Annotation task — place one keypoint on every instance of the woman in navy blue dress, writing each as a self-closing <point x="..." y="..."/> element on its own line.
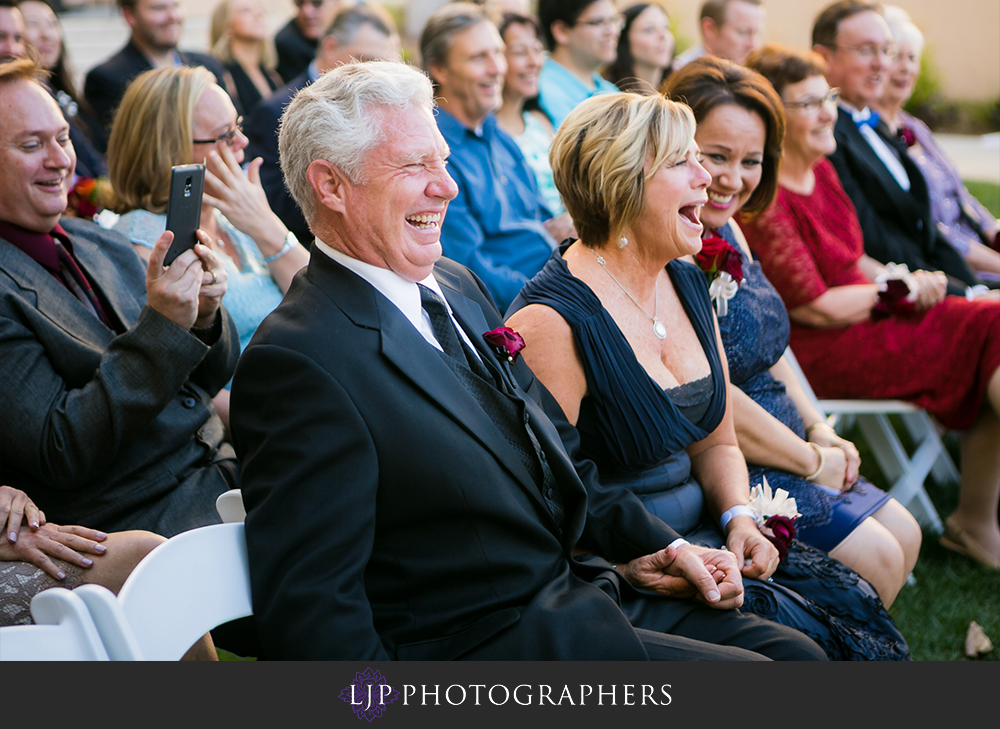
<point x="623" y="335"/>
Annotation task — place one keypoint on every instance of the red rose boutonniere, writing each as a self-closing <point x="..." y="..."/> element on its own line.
<point x="505" y="342"/>
<point x="907" y="135"/>
<point x="775" y="514"/>
<point x="723" y="265"/>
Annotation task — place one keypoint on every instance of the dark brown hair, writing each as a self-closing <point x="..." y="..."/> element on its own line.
<point x="709" y="82"/>
<point x="827" y="23"/>
<point x="783" y="66"/>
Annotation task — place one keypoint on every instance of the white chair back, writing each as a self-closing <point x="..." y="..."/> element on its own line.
<point x="230" y="506"/>
<point x="188" y="585"/>
<point x="63" y="631"/>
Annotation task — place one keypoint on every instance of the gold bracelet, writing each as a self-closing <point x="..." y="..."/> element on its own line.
<point x="819" y="424"/>
<point x="822" y="461"/>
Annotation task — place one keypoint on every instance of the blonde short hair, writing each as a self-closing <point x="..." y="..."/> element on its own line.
<point x="220" y="42"/>
<point x="153" y="131"/>
<point x="607" y="149"/>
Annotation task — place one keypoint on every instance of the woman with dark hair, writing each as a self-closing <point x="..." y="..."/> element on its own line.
<point x="645" y="49"/>
<point x="741" y="125"/>
<point x="622" y="334"/>
<point x="44" y="33"/>
<point x="863" y="330"/>
<point x="520" y="116"/>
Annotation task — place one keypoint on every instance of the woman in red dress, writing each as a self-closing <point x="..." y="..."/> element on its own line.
<point x="853" y="338"/>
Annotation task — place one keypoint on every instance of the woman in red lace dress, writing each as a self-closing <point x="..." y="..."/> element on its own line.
<point x="855" y="340"/>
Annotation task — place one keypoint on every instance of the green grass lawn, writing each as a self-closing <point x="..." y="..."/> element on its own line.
<point x="950" y="591"/>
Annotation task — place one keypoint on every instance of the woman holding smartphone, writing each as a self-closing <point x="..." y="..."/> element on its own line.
<point x="176" y="116"/>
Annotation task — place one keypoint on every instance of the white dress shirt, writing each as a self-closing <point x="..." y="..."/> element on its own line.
<point x="404" y="294"/>
<point x="878" y="145"/>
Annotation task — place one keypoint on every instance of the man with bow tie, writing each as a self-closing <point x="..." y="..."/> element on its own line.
<point x="886" y="187"/>
<point x="407" y="495"/>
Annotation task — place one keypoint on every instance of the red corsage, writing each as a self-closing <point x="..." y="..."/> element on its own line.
<point x="893" y="299"/>
<point x="505" y="342"/>
<point x="88" y="197"/>
<point x="718" y="256"/>
<point x="780" y="531"/>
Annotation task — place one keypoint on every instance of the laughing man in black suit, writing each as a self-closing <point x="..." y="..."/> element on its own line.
<point x="407" y="496"/>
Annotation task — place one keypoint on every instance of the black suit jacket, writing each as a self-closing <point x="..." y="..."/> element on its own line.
<point x="261" y="128"/>
<point x="106" y="83"/>
<point x="897" y="224"/>
<point x="295" y="51"/>
<point x="388" y="516"/>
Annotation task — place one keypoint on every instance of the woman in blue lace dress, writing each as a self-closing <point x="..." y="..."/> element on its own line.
<point x="623" y="335"/>
<point x="780" y="433"/>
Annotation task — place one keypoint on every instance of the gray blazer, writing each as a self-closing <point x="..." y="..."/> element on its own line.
<point x="110" y="431"/>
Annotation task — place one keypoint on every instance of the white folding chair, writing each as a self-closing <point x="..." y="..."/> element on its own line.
<point x="185" y="587"/>
<point x="63" y="631"/>
<point x="230" y="506"/>
<point x="906" y="473"/>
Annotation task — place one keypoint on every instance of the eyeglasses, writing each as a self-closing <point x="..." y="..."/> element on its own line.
<point x="868" y="51"/>
<point x="812" y="106"/>
<point x="615" y="22"/>
<point x="227" y="137"/>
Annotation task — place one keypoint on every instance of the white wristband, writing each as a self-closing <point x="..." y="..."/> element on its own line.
<point x="679" y="542"/>
<point x="738" y="510"/>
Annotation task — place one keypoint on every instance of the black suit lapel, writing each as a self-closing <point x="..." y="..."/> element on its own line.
<point x="875" y="169"/>
<point x="417" y="360"/>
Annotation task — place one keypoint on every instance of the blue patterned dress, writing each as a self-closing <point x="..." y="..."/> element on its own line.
<point x="755" y="333"/>
<point x="637" y="433"/>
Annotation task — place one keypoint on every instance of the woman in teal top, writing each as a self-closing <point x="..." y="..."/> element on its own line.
<point x="174" y="116"/>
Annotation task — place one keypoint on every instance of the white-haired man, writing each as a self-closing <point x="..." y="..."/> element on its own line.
<point x="407" y="495"/>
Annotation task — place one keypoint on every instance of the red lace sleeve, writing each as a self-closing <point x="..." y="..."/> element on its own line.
<point x="777" y="239"/>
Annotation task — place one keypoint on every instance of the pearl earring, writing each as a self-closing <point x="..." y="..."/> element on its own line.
<point x="622" y="242"/>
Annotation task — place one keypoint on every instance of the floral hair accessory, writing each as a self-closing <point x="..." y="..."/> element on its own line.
<point x="723" y="265"/>
<point x="505" y="342"/>
<point x="775" y="515"/>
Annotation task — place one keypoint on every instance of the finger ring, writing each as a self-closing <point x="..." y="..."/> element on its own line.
<point x="214" y="278"/>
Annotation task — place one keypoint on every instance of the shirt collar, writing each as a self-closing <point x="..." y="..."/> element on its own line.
<point x="401" y="292"/>
<point x="40" y="247"/>
<point x="451" y="127"/>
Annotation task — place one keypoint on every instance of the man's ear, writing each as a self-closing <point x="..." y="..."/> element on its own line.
<point x="129" y="17"/>
<point x="709" y="31"/>
<point x="328" y="48"/>
<point x="328" y="184"/>
<point x="825" y="52"/>
<point x="560" y="32"/>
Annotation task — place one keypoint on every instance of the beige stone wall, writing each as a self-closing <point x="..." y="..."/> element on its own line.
<point x="964" y="35"/>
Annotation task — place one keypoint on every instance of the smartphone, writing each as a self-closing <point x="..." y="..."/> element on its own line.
<point x="187" y="182"/>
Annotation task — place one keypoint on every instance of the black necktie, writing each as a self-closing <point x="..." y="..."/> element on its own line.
<point x="446" y="333"/>
<point x="507" y="412"/>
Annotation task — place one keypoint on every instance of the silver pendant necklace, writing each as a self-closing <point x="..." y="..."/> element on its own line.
<point x="659" y="330"/>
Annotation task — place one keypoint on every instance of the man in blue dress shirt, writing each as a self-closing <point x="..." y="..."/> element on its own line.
<point x="498" y="225"/>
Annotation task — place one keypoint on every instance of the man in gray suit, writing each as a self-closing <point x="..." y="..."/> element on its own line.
<point x="107" y="370"/>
